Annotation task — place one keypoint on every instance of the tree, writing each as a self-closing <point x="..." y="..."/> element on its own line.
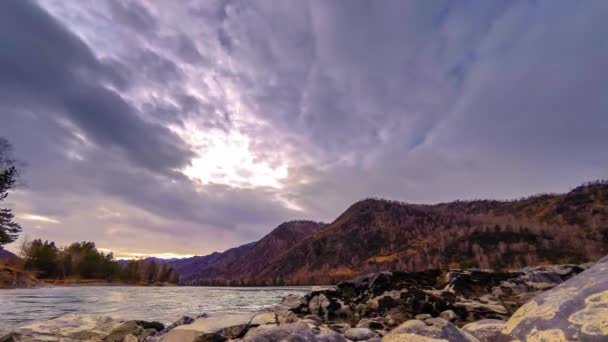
<point x="9" y="229"/>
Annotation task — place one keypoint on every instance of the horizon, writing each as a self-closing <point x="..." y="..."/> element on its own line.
<point x="173" y="129"/>
<point x="171" y="256"/>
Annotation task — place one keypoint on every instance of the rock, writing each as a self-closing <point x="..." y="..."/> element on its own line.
<point x="182" y="321"/>
<point x="314" y="318"/>
<point x="340" y="327"/>
<point x="129" y="338"/>
<point x="359" y="334"/>
<point x="574" y="310"/>
<point x="284" y="317"/>
<point x="264" y="318"/>
<point x="370" y="324"/>
<point x="439" y="330"/>
<point x="293" y="332"/>
<point x="127" y="328"/>
<point x="288" y="302"/>
<point x="151" y="325"/>
<point x="448" y="315"/>
<point x="230" y="326"/>
<point x="318" y="305"/>
<point x="73" y="327"/>
<point x="210" y="337"/>
<point x="486" y="330"/>
<point x="422" y="317"/>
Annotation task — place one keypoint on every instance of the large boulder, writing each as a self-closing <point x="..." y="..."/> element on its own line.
<point x="576" y="310"/>
<point x="210" y="328"/>
<point x="433" y="329"/>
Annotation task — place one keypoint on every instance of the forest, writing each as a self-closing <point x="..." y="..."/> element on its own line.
<point x="82" y="260"/>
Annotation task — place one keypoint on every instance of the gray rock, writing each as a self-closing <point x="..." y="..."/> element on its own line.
<point x="359" y="334"/>
<point x="439" y="330"/>
<point x="486" y="330"/>
<point x="422" y="317"/>
<point x="575" y="310"/>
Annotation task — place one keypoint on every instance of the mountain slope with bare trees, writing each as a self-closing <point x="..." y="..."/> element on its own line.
<point x="376" y="235"/>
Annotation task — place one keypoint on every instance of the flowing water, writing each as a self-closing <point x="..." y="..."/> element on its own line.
<point x="163" y="304"/>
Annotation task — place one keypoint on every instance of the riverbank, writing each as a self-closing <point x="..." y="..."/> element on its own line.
<point x="12" y="277"/>
<point x="554" y="303"/>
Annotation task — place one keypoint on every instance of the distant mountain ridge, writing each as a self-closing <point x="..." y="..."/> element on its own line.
<point x="376" y="235"/>
<point x="8" y="256"/>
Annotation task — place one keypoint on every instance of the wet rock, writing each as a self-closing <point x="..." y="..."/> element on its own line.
<point x="486" y="330"/>
<point x="359" y="334"/>
<point x="291" y="333"/>
<point x="574" y="310"/>
<point x="437" y="330"/>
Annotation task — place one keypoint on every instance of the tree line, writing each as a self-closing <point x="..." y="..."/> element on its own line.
<point x="83" y="260"/>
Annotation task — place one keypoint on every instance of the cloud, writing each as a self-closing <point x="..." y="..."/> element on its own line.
<point x="206" y="124"/>
<point x="39" y="218"/>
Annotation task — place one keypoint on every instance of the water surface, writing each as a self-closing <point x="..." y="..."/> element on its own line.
<point x="163" y="304"/>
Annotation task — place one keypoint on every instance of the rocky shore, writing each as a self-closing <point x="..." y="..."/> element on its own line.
<point x="552" y="303"/>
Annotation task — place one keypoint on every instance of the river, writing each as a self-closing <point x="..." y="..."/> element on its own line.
<point x="163" y="304"/>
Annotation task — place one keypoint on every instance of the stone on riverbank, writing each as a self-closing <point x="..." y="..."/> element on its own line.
<point x="486" y="330"/>
<point x="73" y="327"/>
<point x="433" y="329"/>
<point x="576" y="310"/>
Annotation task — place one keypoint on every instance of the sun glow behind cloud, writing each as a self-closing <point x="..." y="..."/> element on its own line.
<point x="226" y="158"/>
<point x="38" y="218"/>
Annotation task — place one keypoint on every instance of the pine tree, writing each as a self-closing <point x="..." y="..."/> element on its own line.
<point x="9" y="229"/>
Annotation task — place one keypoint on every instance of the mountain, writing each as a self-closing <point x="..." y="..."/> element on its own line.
<point x="7" y="256"/>
<point x="375" y="235"/>
<point x="240" y="265"/>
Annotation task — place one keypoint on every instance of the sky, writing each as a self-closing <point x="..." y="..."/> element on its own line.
<point x="177" y="128"/>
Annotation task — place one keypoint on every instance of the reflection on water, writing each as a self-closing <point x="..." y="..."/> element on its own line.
<point x="164" y="304"/>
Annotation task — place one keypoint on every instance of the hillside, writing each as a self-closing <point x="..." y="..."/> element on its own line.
<point x="241" y="265"/>
<point x="376" y="235"/>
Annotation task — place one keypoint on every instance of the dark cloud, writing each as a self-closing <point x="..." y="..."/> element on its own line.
<point x="47" y="63"/>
